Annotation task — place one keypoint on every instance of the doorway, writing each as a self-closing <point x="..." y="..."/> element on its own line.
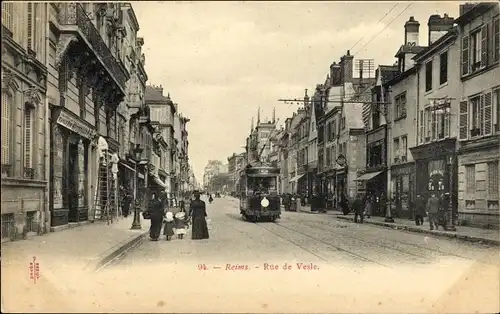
<point x="72" y="181"/>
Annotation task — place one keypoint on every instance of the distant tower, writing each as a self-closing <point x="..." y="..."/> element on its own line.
<point x="274" y="114"/>
<point x="251" y="126"/>
<point x="258" y="116"/>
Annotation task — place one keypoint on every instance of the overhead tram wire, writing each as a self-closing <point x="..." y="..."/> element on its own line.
<point x="390" y="10"/>
<point x="400" y="13"/>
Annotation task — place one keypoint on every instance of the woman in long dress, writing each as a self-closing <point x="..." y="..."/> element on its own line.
<point x="198" y="212"/>
<point x="156" y="213"/>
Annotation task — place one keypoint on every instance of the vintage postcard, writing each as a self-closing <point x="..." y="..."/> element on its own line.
<point x="250" y="157"/>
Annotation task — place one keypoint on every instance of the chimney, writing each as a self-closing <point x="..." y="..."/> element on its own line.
<point x="335" y="74"/>
<point x="464" y="8"/>
<point x="346" y="64"/>
<point x="160" y="89"/>
<point x="411" y="32"/>
<point x="438" y="26"/>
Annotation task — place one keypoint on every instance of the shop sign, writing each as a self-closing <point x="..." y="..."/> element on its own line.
<point x="75" y="125"/>
<point x="437" y="172"/>
<point x="341" y="160"/>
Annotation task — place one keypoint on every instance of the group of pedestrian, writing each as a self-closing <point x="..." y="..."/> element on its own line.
<point x="160" y="215"/>
<point x="434" y="208"/>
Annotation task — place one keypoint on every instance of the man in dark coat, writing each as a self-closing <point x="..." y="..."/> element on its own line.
<point x="419" y="210"/>
<point x="198" y="212"/>
<point x="358" y="208"/>
<point x="433" y="205"/>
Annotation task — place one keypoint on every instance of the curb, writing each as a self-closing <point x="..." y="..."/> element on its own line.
<point x="108" y="256"/>
<point x="419" y="230"/>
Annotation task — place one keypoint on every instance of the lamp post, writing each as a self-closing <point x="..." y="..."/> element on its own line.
<point x="136" y="224"/>
<point x="450" y="221"/>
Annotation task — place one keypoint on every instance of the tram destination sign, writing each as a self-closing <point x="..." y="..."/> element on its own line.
<point x="263" y="171"/>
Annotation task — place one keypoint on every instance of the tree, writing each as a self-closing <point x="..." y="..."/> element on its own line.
<point x="218" y="181"/>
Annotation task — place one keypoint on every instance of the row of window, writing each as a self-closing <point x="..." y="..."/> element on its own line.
<point x="331" y="154"/>
<point x="9" y="107"/>
<point x="443" y="71"/>
<point x="481" y="47"/>
<point x="479" y="115"/>
<point x="433" y="122"/>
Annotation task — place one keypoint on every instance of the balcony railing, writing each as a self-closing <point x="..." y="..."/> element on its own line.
<point x="74" y="14"/>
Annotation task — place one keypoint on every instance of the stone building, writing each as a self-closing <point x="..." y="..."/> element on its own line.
<point x="234" y="164"/>
<point x="401" y="113"/>
<point x="258" y="145"/>
<point x="25" y="137"/>
<point x="479" y="112"/>
<point x="86" y="84"/>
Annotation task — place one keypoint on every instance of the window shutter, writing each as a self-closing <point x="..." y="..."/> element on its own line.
<point x="27" y="138"/>
<point x="487" y="114"/>
<point x="465" y="55"/>
<point x="496" y="40"/>
<point x="464" y="118"/>
<point x="481" y="115"/>
<point x="484" y="46"/>
<point x="6" y="121"/>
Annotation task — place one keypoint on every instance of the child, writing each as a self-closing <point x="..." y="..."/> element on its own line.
<point x="168" y="230"/>
<point x="180" y="224"/>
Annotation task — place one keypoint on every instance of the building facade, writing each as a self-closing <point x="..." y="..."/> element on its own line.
<point x="478" y="110"/>
<point x="25" y="113"/>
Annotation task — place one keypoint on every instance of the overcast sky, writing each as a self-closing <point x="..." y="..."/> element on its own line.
<point x="220" y="61"/>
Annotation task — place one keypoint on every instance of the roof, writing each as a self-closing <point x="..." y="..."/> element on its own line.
<point x="475" y="11"/>
<point x="388" y="72"/>
<point x="409" y="49"/>
<point x="451" y="34"/>
<point x="154" y="94"/>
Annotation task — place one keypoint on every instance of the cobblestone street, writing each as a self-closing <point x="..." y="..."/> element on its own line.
<point x="240" y="268"/>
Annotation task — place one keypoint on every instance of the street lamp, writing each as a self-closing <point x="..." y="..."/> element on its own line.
<point x="450" y="221"/>
<point x="136" y="224"/>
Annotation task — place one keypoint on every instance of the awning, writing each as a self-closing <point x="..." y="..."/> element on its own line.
<point x="297" y="177"/>
<point x="158" y="180"/>
<point x="368" y="176"/>
<point x="126" y="166"/>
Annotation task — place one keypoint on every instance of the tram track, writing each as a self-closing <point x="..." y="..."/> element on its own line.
<point x="442" y="253"/>
<point x="357" y="256"/>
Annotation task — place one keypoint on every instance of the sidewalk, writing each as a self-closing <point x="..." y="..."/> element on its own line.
<point x="65" y="257"/>
<point x="488" y="236"/>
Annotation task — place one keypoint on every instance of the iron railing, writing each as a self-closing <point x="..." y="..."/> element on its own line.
<point x="31" y="223"/>
<point x="74" y="14"/>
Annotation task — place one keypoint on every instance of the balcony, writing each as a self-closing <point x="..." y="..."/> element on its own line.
<point x="75" y="26"/>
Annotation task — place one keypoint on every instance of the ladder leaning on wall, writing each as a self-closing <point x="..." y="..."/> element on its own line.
<point x="105" y="199"/>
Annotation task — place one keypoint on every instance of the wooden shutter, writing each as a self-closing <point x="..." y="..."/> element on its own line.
<point x="484" y="46"/>
<point x="480" y="124"/>
<point x="496" y="39"/>
<point x="465" y="55"/>
<point x="487" y="114"/>
<point x="6" y="123"/>
<point x="464" y="119"/>
<point x="28" y="131"/>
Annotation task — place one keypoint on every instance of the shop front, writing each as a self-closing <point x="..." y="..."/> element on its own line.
<point x="402" y="180"/>
<point x="72" y="154"/>
<point x="374" y="183"/>
<point x="436" y="170"/>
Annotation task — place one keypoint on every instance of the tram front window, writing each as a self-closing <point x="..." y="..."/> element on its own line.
<point x="262" y="185"/>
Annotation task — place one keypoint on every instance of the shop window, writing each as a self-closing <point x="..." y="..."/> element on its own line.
<point x="7" y="103"/>
<point x="28" y="141"/>
<point x="470" y="181"/>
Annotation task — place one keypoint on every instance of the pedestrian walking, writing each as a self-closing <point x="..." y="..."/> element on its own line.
<point x="419" y="210"/>
<point x="198" y="214"/>
<point x="210" y="199"/>
<point x="181" y="224"/>
<point x="344" y="204"/>
<point x="433" y="211"/>
<point x="369" y="205"/>
<point x="156" y="213"/>
<point x="126" y="202"/>
<point x="359" y="209"/>
<point x="169" y="224"/>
